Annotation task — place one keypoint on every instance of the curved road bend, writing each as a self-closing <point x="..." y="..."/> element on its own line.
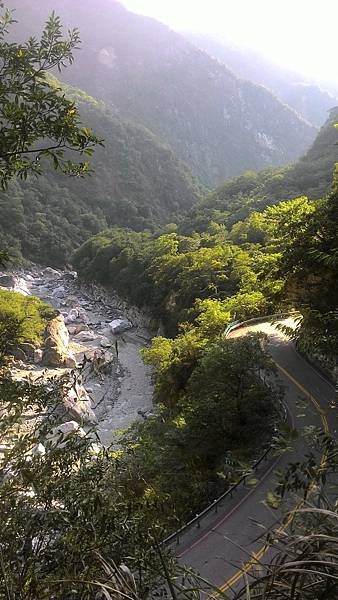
<point x="225" y="541"/>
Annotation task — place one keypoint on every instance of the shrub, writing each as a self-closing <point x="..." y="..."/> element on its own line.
<point x="22" y="319"/>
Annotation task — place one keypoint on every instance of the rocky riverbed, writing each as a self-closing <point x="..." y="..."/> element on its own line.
<point x="97" y="338"/>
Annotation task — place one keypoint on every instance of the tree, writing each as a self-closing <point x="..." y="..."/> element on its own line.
<point x="37" y="122"/>
<point x="226" y="399"/>
<point x="68" y="508"/>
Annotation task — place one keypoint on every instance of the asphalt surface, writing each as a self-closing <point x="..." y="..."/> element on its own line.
<point x="224" y="542"/>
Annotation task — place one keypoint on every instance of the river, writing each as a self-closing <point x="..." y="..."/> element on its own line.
<point x="120" y="394"/>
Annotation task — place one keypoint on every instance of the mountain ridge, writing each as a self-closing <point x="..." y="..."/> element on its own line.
<point x="218" y="124"/>
<point x="308" y="99"/>
<point x="310" y="176"/>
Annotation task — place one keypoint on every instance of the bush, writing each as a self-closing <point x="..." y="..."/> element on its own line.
<point x="22" y="319"/>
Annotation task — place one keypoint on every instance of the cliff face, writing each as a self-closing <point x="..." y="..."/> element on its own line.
<point x="308" y="99"/>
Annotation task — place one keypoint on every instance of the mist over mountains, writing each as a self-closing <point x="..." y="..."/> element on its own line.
<point x="312" y="101"/>
<point x="217" y="123"/>
<point x="175" y="122"/>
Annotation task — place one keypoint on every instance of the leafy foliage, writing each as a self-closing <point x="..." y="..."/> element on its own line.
<point x="69" y="515"/>
<point x="22" y="319"/>
<point x="168" y="273"/>
<point x="310" y="268"/>
<point x="37" y="122"/>
<point x="210" y="399"/>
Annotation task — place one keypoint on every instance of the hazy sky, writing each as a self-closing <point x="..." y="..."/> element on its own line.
<point x="301" y="34"/>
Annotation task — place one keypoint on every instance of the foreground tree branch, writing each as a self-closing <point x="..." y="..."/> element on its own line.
<point x="37" y="122"/>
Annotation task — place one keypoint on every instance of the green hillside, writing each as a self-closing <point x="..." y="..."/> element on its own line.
<point x="137" y="182"/>
<point x="311" y="176"/>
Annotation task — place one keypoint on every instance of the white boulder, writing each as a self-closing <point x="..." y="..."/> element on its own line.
<point x="72" y="315"/>
<point x="78" y="404"/>
<point x="105" y="343"/>
<point x="59" y="434"/>
<point x="21" y="287"/>
<point x="38" y="450"/>
<point x="120" y="325"/>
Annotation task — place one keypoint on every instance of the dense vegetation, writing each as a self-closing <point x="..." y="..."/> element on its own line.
<point x="196" y="286"/>
<point x="75" y="518"/>
<point x="168" y="273"/>
<point x="283" y="257"/>
<point x="217" y="124"/>
<point x="71" y="517"/>
<point x="22" y="319"/>
<point x="311" y="278"/>
<point x="182" y="277"/>
<point x="137" y="182"/>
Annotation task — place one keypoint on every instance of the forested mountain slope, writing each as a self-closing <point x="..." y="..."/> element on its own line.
<point x="218" y="124"/>
<point x="307" y="98"/>
<point x="310" y="176"/>
<point x="136" y="181"/>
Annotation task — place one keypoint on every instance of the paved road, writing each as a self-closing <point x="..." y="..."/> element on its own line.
<point x="225" y="541"/>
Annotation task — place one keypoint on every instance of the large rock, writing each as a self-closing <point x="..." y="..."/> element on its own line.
<point x="72" y="316"/>
<point x="29" y="350"/>
<point x="85" y="336"/>
<point x="76" y="314"/>
<point x="21" y="287"/>
<point x="83" y="315"/>
<point x="24" y="352"/>
<point x="38" y="450"/>
<point x="51" y="273"/>
<point x="17" y="353"/>
<point x="71" y="362"/>
<point x="120" y="325"/>
<point x="80" y="327"/>
<point x="70" y="275"/>
<point x="60" y="435"/>
<point x="56" y="349"/>
<point x="78" y="404"/>
<point x="38" y="354"/>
